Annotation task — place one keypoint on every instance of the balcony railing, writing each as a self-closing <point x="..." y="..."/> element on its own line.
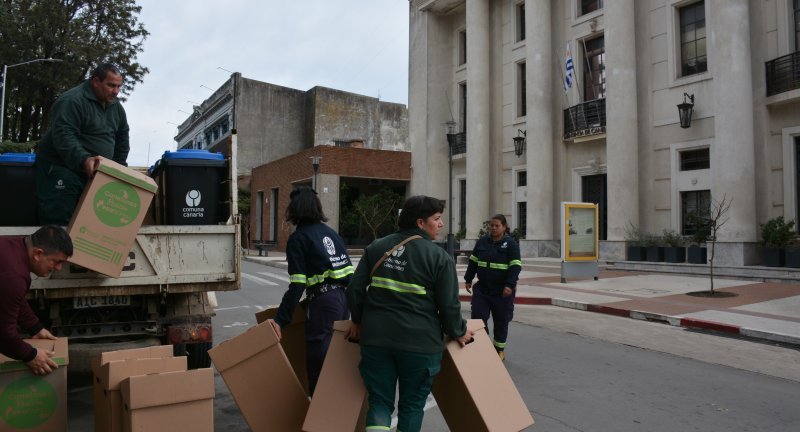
<point x="783" y="74"/>
<point x="588" y="118"/>
<point x="460" y="147"/>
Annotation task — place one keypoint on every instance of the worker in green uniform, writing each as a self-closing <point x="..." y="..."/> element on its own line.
<point x="88" y="123"/>
<point x="402" y="306"/>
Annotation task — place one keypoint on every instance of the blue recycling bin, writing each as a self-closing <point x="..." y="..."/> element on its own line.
<point x="17" y="189"/>
<point x="192" y="184"/>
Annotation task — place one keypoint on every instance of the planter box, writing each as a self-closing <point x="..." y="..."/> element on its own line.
<point x="655" y="253"/>
<point x="772" y="257"/>
<point x="676" y="254"/>
<point x="697" y="255"/>
<point x="636" y="253"/>
<point x="792" y="257"/>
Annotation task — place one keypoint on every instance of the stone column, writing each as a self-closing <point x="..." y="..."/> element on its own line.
<point x="540" y="121"/>
<point x="733" y="150"/>
<point x="622" y="146"/>
<point x="478" y="115"/>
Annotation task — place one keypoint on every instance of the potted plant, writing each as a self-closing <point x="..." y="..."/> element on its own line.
<point x="634" y="239"/>
<point x="655" y="248"/>
<point x="792" y="255"/>
<point x="675" y="252"/>
<point x="697" y="253"/>
<point x="776" y="234"/>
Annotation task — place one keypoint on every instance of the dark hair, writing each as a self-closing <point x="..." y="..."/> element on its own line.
<point x="304" y="207"/>
<point x="102" y="70"/>
<point x="52" y="239"/>
<point x="418" y="207"/>
<point x="502" y="220"/>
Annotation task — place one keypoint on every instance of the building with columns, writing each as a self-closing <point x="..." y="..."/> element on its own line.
<point x="496" y="70"/>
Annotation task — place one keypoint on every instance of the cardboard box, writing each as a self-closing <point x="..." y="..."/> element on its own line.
<point x="340" y="399"/>
<point x="169" y="401"/>
<point x="474" y="390"/>
<point x="108" y="216"/>
<point x="31" y="402"/>
<point x="261" y="380"/>
<point x="293" y="341"/>
<point x="108" y="408"/>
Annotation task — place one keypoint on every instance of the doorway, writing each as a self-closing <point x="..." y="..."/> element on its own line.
<point x="593" y="190"/>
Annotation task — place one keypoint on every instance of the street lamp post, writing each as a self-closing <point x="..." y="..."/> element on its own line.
<point x="3" y="91"/>
<point x="315" y="164"/>
<point x="451" y="141"/>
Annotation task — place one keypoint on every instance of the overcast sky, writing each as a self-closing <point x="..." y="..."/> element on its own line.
<point x="360" y="46"/>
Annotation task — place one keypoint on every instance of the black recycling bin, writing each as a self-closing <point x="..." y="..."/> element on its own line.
<point x="191" y="183"/>
<point x="17" y="190"/>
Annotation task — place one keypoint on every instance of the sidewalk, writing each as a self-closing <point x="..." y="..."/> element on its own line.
<point x="765" y="311"/>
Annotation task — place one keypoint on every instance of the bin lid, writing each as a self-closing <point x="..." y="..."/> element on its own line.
<point x="193" y="154"/>
<point x="18" y="158"/>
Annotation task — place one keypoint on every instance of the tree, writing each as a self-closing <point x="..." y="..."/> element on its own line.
<point x="377" y="209"/>
<point x="80" y="33"/>
<point x="717" y="217"/>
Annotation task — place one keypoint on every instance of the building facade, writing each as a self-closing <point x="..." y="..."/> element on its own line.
<point x="499" y="70"/>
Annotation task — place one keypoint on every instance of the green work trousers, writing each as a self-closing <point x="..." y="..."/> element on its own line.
<point x="383" y="370"/>
<point x="58" y="190"/>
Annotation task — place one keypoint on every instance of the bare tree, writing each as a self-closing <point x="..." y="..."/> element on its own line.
<point x="717" y="217"/>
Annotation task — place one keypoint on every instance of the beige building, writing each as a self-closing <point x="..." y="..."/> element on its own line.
<point x="496" y="68"/>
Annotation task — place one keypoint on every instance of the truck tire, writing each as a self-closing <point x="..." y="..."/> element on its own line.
<point x="196" y="353"/>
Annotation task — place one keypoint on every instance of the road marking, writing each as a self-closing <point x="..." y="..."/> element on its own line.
<point x="237" y="324"/>
<point x="231" y="308"/>
<point x="258" y="279"/>
<point x="274" y="276"/>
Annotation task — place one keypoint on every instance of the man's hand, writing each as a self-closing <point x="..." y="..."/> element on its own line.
<point x="464" y="340"/>
<point x="468" y="286"/>
<point x="44" y="334"/>
<point x="353" y="333"/>
<point x="42" y="364"/>
<point x="507" y="291"/>
<point x="276" y="327"/>
<point x="90" y="165"/>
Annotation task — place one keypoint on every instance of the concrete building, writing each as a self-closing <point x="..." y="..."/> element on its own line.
<point x="614" y="137"/>
<point x="273" y="122"/>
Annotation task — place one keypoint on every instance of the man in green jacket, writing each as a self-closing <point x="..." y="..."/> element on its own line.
<point x="402" y="312"/>
<point x="88" y="123"/>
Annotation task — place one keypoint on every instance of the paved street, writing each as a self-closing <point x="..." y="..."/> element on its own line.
<point x="583" y="371"/>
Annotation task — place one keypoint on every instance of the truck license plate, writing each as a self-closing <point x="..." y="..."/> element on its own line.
<point x="102" y="301"/>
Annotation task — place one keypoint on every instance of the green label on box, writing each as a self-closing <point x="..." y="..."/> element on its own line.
<point x="28" y="402"/>
<point x="116" y="204"/>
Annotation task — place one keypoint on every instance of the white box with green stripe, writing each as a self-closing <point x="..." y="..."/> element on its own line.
<point x="109" y="214"/>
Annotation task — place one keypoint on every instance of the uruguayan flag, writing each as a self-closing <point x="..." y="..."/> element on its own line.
<point x="570" y="69"/>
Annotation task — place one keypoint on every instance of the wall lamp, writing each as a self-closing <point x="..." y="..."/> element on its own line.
<point x="519" y="142"/>
<point x="685" y="111"/>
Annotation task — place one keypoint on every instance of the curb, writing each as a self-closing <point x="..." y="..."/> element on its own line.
<point x="688" y="323"/>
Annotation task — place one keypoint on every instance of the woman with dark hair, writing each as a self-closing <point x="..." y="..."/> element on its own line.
<point x="404" y="300"/>
<point x="320" y="267"/>
<point x="496" y="261"/>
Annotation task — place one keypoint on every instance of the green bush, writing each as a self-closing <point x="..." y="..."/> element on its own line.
<point x="635" y="236"/>
<point x="673" y="238"/>
<point x="777" y="233"/>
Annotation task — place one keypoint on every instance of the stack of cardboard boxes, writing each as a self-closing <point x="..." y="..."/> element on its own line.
<point x="473" y="389"/>
<point x="147" y="389"/>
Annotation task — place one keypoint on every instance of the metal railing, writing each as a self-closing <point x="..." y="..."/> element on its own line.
<point x="460" y="147"/>
<point x="588" y="118"/>
<point x="783" y="74"/>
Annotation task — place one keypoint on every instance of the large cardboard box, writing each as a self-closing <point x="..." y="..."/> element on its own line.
<point x="261" y="380"/>
<point x="101" y="418"/>
<point x="108" y="216"/>
<point x="293" y="341"/>
<point x="108" y="411"/>
<point x="340" y="399"/>
<point x="474" y="390"/>
<point x="169" y="402"/>
<point x="30" y="402"/>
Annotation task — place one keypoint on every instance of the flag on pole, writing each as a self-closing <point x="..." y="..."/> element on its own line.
<point x="570" y="69"/>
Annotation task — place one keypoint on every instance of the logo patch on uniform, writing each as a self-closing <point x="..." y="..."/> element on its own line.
<point x="329" y="246"/>
<point x="59" y="184"/>
<point x="399" y="251"/>
<point x="504" y="245"/>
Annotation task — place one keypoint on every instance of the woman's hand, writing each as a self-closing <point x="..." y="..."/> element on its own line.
<point x="353" y="334"/>
<point x="468" y="286"/>
<point x="507" y="291"/>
